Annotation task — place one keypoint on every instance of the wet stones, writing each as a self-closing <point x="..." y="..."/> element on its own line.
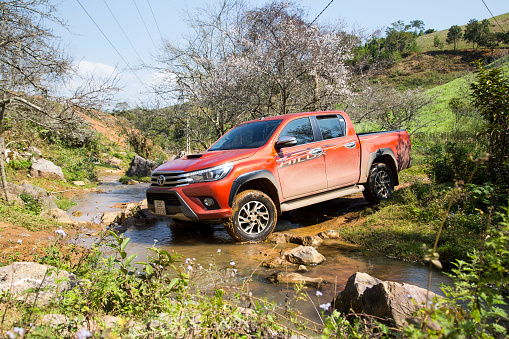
<point x="304" y="255"/>
<point x="309" y="240"/>
<point x="295" y="278"/>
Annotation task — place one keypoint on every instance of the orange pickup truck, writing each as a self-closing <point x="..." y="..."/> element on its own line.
<point x="264" y="167"/>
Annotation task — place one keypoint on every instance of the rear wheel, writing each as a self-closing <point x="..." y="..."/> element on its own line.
<point x="380" y="183"/>
<point x="253" y="217"/>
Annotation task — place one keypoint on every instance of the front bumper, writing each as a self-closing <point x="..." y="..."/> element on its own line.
<point x="184" y="203"/>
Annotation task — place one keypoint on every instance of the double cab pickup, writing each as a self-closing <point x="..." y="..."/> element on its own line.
<point x="262" y="168"/>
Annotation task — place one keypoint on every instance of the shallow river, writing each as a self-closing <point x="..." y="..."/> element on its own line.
<point x="210" y="244"/>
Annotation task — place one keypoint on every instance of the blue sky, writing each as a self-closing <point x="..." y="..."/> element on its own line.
<point x="145" y="22"/>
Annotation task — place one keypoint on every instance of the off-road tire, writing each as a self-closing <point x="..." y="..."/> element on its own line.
<point x="380" y="183"/>
<point x="253" y="217"/>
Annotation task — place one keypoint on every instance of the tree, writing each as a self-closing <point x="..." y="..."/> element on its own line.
<point x="33" y="68"/>
<point x="476" y="32"/>
<point x="454" y="35"/>
<point x="242" y="63"/>
<point x="386" y="107"/>
<point x="437" y="43"/>
<point x="490" y="95"/>
<point x="419" y="27"/>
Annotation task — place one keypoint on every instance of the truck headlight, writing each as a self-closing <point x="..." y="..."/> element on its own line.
<point x="210" y="174"/>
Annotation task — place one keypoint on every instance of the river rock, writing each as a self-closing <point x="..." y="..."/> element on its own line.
<point x="309" y="240"/>
<point x="304" y="255"/>
<point x="141" y="167"/>
<point x="42" y="168"/>
<point x="78" y="183"/>
<point x="277" y="262"/>
<point x="295" y="278"/>
<point x="111" y="160"/>
<point x="393" y="301"/>
<point x="57" y="214"/>
<point x="20" y="276"/>
<point x="47" y="201"/>
<point x="330" y="234"/>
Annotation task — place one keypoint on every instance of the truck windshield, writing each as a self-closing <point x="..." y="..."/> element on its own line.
<point x="250" y="135"/>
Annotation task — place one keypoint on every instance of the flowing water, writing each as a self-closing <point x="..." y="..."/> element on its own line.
<point x="209" y="246"/>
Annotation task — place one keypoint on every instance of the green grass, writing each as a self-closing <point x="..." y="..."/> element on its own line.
<point x="425" y="42"/>
<point x="125" y="179"/>
<point x="19" y="216"/>
<point x="439" y="117"/>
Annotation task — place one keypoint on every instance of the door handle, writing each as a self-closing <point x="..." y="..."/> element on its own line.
<point x="351" y="144"/>
<point x="316" y="151"/>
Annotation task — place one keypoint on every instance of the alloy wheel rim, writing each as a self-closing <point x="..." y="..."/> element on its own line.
<point x="382" y="184"/>
<point x="254" y="217"/>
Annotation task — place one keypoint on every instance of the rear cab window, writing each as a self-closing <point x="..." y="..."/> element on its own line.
<point x="331" y="126"/>
<point x="300" y="129"/>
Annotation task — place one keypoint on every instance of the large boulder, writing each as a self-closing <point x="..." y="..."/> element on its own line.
<point x="364" y="294"/>
<point x="48" y="281"/>
<point x="141" y="167"/>
<point x="47" y="201"/>
<point x="58" y="215"/>
<point x="42" y="168"/>
<point x="304" y="255"/>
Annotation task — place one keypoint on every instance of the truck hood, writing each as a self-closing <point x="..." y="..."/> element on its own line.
<point x="194" y="162"/>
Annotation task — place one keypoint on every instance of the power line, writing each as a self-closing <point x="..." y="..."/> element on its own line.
<point x="493" y="16"/>
<point x="113" y="46"/>
<point x="153" y="16"/>
<point x="150" y="35"/>
<point x="323" y="10"/>
<point x="114" y="17"/>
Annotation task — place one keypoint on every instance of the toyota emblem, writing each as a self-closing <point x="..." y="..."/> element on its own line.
<point x="161" y="180"/>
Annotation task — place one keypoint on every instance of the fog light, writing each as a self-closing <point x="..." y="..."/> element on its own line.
<point x="209" y="202"/>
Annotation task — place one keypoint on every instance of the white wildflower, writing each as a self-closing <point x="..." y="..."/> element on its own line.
<point x="319" y="294"/>
<point x="325" y="306"/>
<point x="83" y="334"/>
<point x="61" y="232"/>
<point x="232" y="263"/>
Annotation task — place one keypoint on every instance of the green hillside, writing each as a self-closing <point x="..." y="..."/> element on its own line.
<point x="439" y="115"/>
<point x="425" y="42"/>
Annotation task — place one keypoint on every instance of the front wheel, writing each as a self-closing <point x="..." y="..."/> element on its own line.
<point x="253" y="217"/>
<point x="380" y="183"/>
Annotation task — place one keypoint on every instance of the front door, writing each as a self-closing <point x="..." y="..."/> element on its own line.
<point x="301" y="168"/>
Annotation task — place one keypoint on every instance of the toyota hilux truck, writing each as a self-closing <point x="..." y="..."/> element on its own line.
<point x="262" y="168"/>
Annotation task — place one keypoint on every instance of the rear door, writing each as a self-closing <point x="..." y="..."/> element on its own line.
<point x="301" y="168"/>
<point x="341" y="149"/>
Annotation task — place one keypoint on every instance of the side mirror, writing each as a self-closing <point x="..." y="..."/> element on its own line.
<point x="285" y="142"/>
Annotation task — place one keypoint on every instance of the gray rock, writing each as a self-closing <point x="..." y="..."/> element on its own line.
<point x="141" y="167"/>
<point x="304" y="255"/>
<point x="42" y="168"/>
<point x="393" y="301"/>
<point x="34" y="151"/>
<point x="295" y="278"/>
<point x="46" y="199"/>
<point x="306" y="240"/>
<point x="57" y="214"/>
<point x="78" y="183"/>
<point x="21" y="276"/>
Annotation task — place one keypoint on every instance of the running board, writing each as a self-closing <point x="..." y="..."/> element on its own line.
<point x="320" y="197"/>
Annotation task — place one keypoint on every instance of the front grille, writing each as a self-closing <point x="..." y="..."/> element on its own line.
<point x="171" y="179"/>
<point x="170" y="198"/>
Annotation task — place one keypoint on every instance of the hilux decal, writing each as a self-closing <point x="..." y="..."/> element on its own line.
<point x="297" y="158"/>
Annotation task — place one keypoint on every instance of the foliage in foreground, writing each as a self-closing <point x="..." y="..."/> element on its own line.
<point x="157" y="298"/>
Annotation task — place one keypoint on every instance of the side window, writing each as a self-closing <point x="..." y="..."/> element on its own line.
<point x="300" y="129"/>
<point x="331" y="126"/>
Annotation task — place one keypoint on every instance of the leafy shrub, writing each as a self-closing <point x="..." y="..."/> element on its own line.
<point x="451" y="161"/>
<point x="20" y="164"/>
<point x="31" y="204"/>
